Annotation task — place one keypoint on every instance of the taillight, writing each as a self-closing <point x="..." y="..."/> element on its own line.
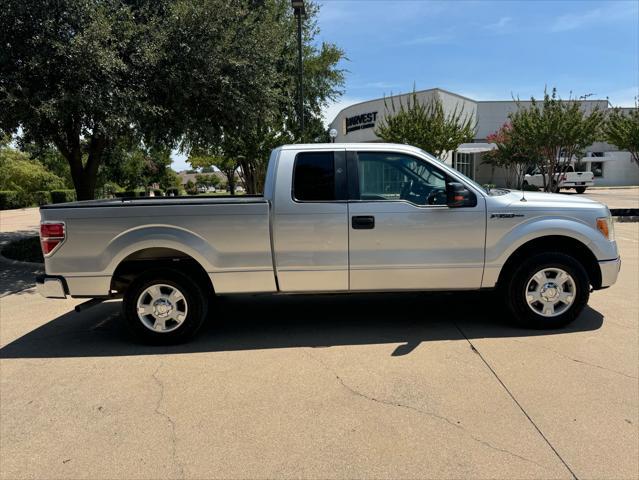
<point x="52" y="234"/>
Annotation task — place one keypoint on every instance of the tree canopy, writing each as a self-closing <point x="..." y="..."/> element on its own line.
<point x="425" y="125"/>
<point x="87" y="75"/>
<point x="554" y="132"/>
<point x="622" y="130"/>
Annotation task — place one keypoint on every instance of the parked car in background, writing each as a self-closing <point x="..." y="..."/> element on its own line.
<point x="333" y="218"/>
<point x="569" y="178"/>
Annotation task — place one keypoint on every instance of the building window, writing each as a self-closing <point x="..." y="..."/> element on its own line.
<point x="464" y="163"/>
<point x="597" y="169"/>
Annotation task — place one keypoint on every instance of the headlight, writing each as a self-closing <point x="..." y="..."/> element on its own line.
<point x="606" y="226"/>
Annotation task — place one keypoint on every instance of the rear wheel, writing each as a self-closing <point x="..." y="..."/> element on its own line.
<point x="548" y="290"/>
<point x="580" y="189"/>
<point x="164" y="307"/>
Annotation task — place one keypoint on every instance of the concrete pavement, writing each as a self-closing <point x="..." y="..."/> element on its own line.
<point x="363" y="386"/>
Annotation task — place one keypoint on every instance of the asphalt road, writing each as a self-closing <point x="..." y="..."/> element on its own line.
<point x="363" y="386"/>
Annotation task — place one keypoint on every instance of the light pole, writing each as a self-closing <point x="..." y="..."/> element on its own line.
<point x="298" y="8"/>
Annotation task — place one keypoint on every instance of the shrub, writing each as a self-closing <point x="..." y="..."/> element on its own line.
<point x="18" y="172"/>
<point x="530" y="188"/>
<point x="126" y="194"/>
<point x="41" y="197"/>
<point x="158" y="192"/>
<point x="9" y="199"/>
<point x="62" y="196"/>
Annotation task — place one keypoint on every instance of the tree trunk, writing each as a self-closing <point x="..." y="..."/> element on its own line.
<point x="84" y="176"/>
<point x="230" y="180"/>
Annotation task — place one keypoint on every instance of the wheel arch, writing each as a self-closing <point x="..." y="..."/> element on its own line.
<point x="554" y="243"/>
<point x="144" y="259"/>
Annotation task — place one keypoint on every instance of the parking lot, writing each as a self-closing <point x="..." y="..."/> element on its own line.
<point x="336" y="386"/>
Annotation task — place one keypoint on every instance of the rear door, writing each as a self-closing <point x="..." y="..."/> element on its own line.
<point x="403" y="236"/>
<point x="310" y="217"/>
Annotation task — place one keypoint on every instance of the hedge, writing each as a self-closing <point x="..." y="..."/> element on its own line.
<point x="62" y="196"/>
<point x="10" y="199"/>
<point x="41" y="197"/>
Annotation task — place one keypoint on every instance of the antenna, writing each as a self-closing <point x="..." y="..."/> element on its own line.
<point x="523" y="195"/>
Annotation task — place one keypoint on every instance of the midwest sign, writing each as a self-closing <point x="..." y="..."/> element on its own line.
<point x="360" y="122"/>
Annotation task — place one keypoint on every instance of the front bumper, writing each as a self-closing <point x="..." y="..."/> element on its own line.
<point x="609" y="271"/>
<point x="51" y="287"/>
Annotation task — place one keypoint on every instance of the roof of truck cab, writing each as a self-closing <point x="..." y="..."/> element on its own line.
<point x="350" y="146"/>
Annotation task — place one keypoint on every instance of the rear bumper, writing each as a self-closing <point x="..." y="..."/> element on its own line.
<point x="51" y="287"/>
<point x="609" y="271"/>
<point x="577" y="184"/>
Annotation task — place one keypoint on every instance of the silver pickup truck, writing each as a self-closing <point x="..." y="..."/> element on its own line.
<point x="333" y="218"/>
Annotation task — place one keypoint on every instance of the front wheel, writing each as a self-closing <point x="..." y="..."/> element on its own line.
<point x="548" y="290"/>
<point x="164" y="307"/>
<point x="580" y="189"/>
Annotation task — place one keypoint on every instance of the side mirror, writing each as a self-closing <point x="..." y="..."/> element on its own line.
<point x="457" y="195"/>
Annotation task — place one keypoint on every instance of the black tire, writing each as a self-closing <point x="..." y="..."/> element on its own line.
<point x="517" y="294"/>
<point x="580" y="189"/>
<point x="193" y="302"/>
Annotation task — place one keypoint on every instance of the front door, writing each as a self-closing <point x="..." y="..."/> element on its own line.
<point x="402" y="235"/>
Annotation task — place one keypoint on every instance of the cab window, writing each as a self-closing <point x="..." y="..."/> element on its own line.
<point x="314" y="177"/>
<point x="392" y="176"/>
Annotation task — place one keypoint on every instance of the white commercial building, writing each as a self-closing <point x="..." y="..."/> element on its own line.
<point x="357" y="123"/>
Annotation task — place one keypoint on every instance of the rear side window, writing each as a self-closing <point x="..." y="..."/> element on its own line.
<point x="314" y="176"/>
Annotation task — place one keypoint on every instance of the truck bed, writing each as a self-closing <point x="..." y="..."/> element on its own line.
<point x="228" y="236"/>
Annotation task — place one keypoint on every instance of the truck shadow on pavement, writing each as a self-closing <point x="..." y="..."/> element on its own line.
<point x="264" y="322"/>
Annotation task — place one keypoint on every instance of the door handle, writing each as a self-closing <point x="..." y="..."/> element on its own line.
<point x="363" y="222"/>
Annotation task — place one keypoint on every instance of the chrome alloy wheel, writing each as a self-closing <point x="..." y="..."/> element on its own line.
<point x="162" y="308"/>
<point x="550" y="292"/>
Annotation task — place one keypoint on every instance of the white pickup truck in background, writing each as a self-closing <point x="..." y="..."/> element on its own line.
<point x="333" y="218"/>
<point x="568" y="179"/>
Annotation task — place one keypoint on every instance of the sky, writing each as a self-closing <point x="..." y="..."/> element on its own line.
<point x="485" y="50"/>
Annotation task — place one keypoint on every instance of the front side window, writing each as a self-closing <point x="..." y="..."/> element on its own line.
<point x="392" y="176"/>
<point x="314" y="177"/>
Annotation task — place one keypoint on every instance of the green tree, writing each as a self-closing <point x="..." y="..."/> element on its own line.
<point x="21" y="173"/>
<point x="555" y="132"/>
<point x="509" y="155"/>
<point x="207" y="180"/>
<point x="250" y="142"/>
<point x="228" y="166"/>
<point x="85" y="74"/>
<point x="190" y="187"/>
<point x="425" y="125"/>
<point x="622" y="130"/>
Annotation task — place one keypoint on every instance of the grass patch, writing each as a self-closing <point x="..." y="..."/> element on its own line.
<point x="24" y="250"/>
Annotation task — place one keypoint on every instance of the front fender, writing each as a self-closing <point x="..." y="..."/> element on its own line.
<point x="500" y="247"/>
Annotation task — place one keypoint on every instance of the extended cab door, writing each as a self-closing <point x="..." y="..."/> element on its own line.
<point x="402" y="234"/>
<point x="310" y="217"/>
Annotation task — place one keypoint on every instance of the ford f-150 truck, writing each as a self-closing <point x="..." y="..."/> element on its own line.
<point x="569" y="178"/>
<point x="333" y="218"/>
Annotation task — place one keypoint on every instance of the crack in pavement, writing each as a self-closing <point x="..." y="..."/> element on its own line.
<point x="168" y="418"/>
<point x="418" y="410"/>
<point x="575" y="359"/>
<point x="474" y="349"/>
